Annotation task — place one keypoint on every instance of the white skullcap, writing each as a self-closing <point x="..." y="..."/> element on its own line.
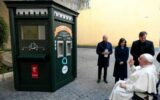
<point x="148" y="57"/>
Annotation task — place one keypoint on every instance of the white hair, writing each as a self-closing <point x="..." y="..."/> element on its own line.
<point x="148" y="57"/>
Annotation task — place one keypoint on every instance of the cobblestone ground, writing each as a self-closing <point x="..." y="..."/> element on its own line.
<point x="83" y="88"/>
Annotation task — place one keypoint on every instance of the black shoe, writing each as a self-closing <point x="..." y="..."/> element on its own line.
<point x="105" y="81"/>
<point x="98" y="81"/>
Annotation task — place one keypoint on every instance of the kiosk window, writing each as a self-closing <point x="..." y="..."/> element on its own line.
<point x="60" y="49"/>
<point x="33" y="32"/>
<point x="68" y="47"/>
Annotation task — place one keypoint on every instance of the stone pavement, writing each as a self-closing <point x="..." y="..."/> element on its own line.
<point x="83" y="88"/>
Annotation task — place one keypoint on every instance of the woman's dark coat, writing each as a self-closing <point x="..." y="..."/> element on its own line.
<point x="120" y="71"/>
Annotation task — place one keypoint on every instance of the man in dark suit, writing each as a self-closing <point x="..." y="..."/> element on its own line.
<point x="141" y="46"/>
<point x="104" y="49"/>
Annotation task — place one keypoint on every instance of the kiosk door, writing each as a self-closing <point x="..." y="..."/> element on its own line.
<point x="33" y="46"/>
<point x="64" y="54"/>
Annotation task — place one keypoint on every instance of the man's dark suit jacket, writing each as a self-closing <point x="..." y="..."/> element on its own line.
<point x="139" y="48"/>
<point x="103" y="61"/>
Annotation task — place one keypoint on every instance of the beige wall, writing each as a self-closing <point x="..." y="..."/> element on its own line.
<point x="119" y="18"/>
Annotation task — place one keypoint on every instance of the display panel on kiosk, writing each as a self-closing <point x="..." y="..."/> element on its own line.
<point x="68" y="48"/>
<point x="60" y="49"/>
<point x="33" y="36"/>
<point x="33" y="32"/>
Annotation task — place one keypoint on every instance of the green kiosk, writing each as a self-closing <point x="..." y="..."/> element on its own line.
<point x="44" y="47"/>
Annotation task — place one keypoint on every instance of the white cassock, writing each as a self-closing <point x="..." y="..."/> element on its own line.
<point x="141" y="80"/>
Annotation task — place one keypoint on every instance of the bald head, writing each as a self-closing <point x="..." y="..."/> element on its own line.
<point x="105" y="38"/>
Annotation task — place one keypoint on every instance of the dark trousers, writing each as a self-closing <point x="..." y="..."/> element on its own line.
<point x="100" y="72"/>
<point x="135" y="97"/>
<point x="157" y="85"/>
<point x="117" y="78"/>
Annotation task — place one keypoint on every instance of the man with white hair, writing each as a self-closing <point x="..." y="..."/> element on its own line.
<point x="143" y="79"/>
<point x="104" y="50"/>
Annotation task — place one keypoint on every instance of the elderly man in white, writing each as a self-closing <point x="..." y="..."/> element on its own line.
<point x="143" y="79"/>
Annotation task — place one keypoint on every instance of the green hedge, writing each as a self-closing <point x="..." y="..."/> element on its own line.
<point x="3" y="32"/>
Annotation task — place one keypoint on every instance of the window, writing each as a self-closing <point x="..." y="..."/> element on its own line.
<point x="68" y="48"/>
<point x="33" y="32"/>
<point x="60" y="49"/>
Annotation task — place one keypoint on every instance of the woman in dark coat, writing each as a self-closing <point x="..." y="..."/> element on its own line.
<point x="121" y="57"/>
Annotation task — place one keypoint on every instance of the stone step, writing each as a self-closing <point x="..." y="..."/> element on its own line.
<point x="6" y="76"/>
<point x="7" y="59"/>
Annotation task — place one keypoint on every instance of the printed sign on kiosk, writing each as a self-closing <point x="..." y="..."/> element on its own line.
<point x="35" y="72"/>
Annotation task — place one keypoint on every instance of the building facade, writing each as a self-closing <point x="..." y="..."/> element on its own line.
<point x="111" y="17"/>
<point x="119" y="18"/>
